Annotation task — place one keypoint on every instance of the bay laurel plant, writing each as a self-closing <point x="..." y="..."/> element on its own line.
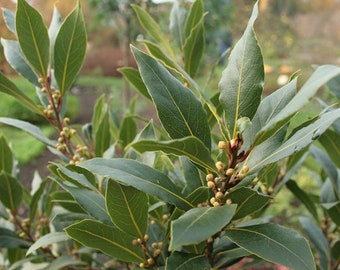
<point x="187" y="193"/>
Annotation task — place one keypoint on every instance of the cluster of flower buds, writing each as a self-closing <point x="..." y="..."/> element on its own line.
<point x="152" y="254"/>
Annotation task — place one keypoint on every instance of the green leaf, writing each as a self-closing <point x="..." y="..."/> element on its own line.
<point x="102" y="136"/>
<point x="242" y="81"/>
<point x="71" y="174"/>
<point x="109" y="240"/>
<point x="320" y="76"/>
<point x="199" y="224"/>
<point x="53" y="31"/>
<point x="333" y="210"/>
<point x="328" y="140"/>
<point x="47" y="239"/>
<point x="9" y="239"/>
<point x="93" y="203"/>
<point x="177" y="20"/>
<point x="228" y="255"/>
<point x="185" y="261"/>
<point x="155" y="51"/>
<point x="194" y="17"/>
<point x="191" y="147"/>
<point x="248" y="201"/>
<point x="153" y="29"/>
<point x="194" y="178"/>
<point x="66" y="200"/>
<point x="37" y="198"/>
<point x="329" y="168"/>
<point x="29" y="128"/>
<point x="140" y="176"/>
<point x="133" y="76"/>
<point x="70" y="49"/>
<point x="128" y="130"/>
<point x="9" y="88"/>
<point x="11" y="191"/>
<point x="33" y="37"/>
<point x="195" y="39"/>
<point x="9" y="19"/>
<point x="128" y="208"/>
<point x="179" y="110"/>
<point x="275" y="244"/>
<point x="303" y="197"/>
<point x="336" y="251"/>
<point x="199" y="195"/>
<point x="319" y="241"/>
<point x="6" y="157"/>
<point x="17" y="60"/>
<point x="298" y="141"/>
<point x="62" y="263"/>
<point x="269" y="107"/>
<point x="194" y="49"/>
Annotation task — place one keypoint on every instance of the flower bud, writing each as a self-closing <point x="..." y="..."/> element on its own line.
<point x="209" y="177"/>
<point x="229" y="201"/>
<point x="229" y="172"/>
<point x="222" y="145"/>
<point x="219" y="195"/>
<point x="211" y="184"/>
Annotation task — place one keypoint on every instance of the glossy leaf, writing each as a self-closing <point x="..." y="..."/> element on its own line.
<point x="133" y="76"/>
<point x="303" y="197"/>
<point x="333" y="210"/>
<point x="16" y="59"/>
<point x="298" y="141"/>
<point x="152" y="28"/>
<point x="329" y="141"/>
<point x="11" y="191"/>
<point x="66" y="200"/>
<point x="194" y="17"/>
<point x="334" y="86"/>
<point x="248" y="201"/>
<point x="242" y="80"/>
<point x="37" y="197"/>
<point x="53" y="31"/>
<point x="62" y="262"/>
<point x="275" y="244"/>
<point x="195" y="39"/>
<point x="194" y="49"/>
<point x="6" y="157"/>
<point x="109" y="240"/>
<point x="194" y="178"/>
<point x="184" y="261"/>
<point x="9" y="239"/>
<point x="319" y="241"/>
<point x="70" y="49"/>
<point x="269" y="107"/>
<point x="200" y="195"/>
<point x="93" y="203"/>
<point x="203" y="221"/>
<point x="102" y="136"/>
<point x="128" y="130"/>
<point x="191" y="147"/>
<point x="228" y="255"/>
<point x="9" y="19"/>
<point x="29" y="128"/>
<point x="177" y="19"/>
<point x="9" y="88"/>
<point x="140" y="176"/>
<point x="47" y="239"/>
<point x="329" y="168"/>
<point x="33" y="37"/>
<point x="128" y="208"/>
<point x="336" y="251"/>
<point x="179" y="110"/>
<point x="320" y="76"/>
<point x="71" y="174"/>
<point x="154" y="50"/>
